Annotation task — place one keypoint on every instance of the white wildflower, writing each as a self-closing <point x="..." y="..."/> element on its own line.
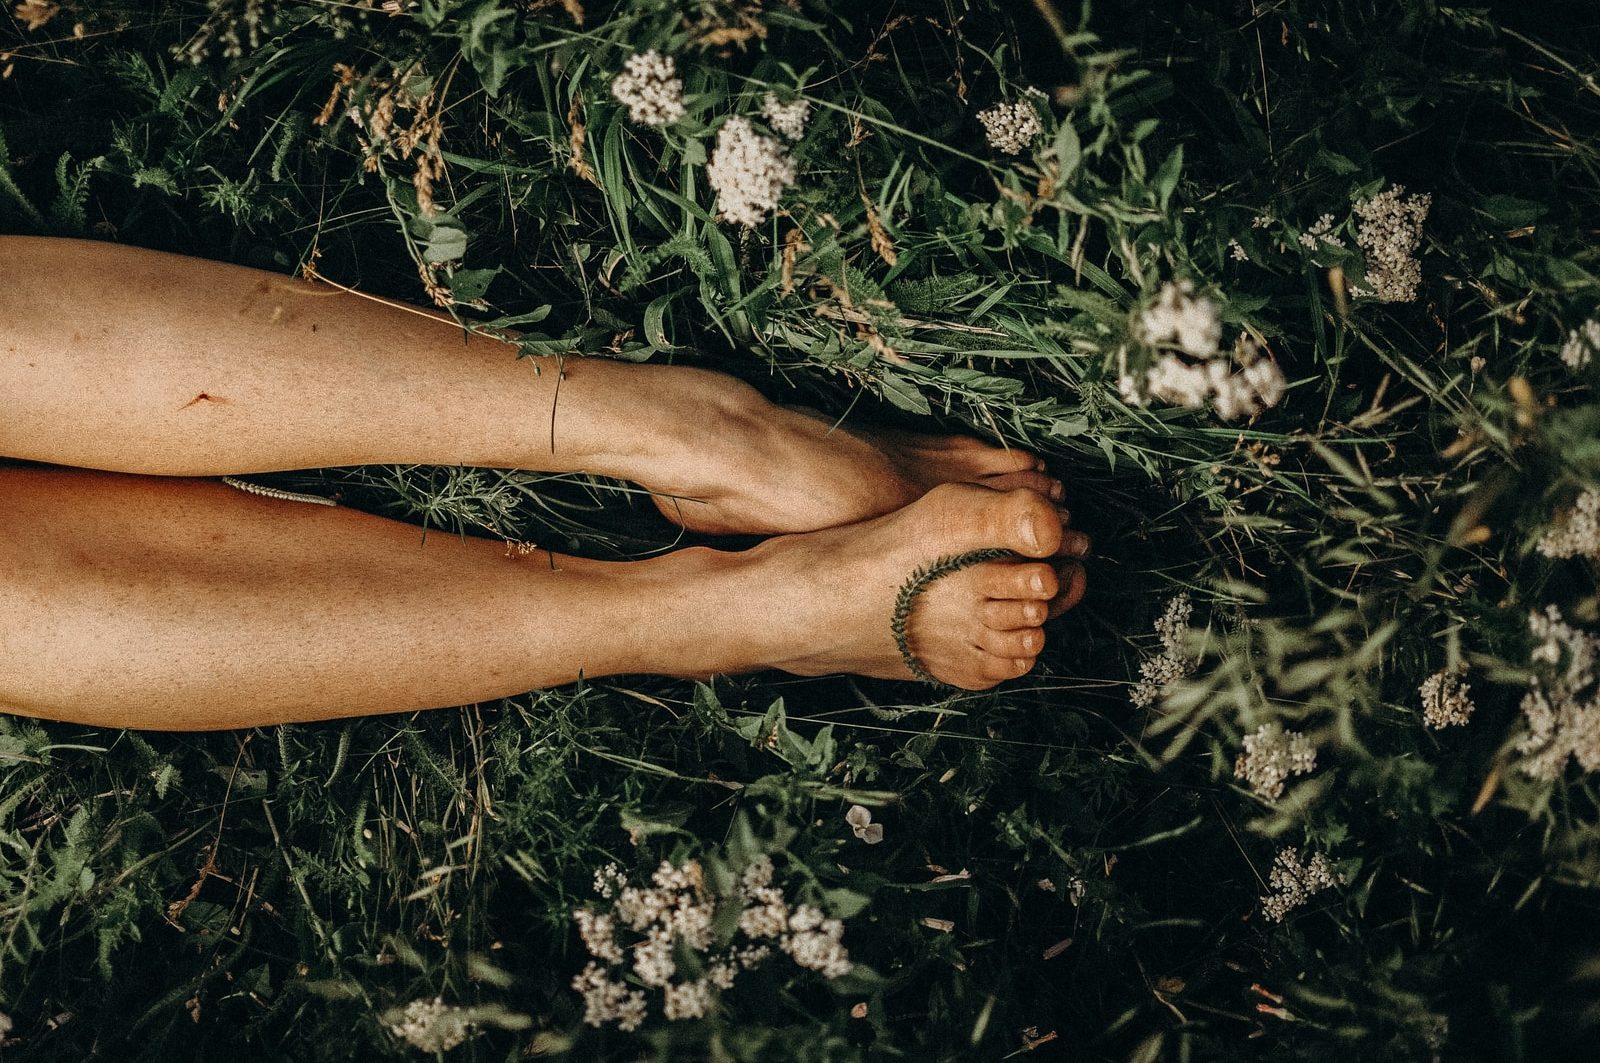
<point x="607" y="880"/>
<point x="605" y="1000"/>
<point x="766" y="913"/>
<point x="758" y="873"/>
<point x="6" y="1024"/>
<point x="1179" y="323"/>
<point x="1261" y="221"/>
<point x="1172" y="663"/>
<point x="1180" y="318"/>
<point x="1582" y="343"/>
<point x="650" y="88"/>
<point x="1237" y="252"/>
<point x="1293" y="883"/>
<point x="687" y="1000"/>
<point x="1011" y="127"/>
<point x="1559" y="639"/>
<point x="1562" y="707"/>
<point x="814" y="942"/>
<point x="860" y="819"/>
<point x="599" y="933"/>
<point x="1321" y="232"/>
<point x="1576" y="532"/>
<point x="1270" y="756"/>
<point x="674" y="915"/>
<point x="748" y="171"/>
<point x="1390" y="234"/>
<point x="786" y="119"/>
<point x="1446" y="700"/>
<point x="431" y="1025"/>
<point x="652" y="960"/>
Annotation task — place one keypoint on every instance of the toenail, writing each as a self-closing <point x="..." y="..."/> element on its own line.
<point x="1030" y="533"/>
<point x="1037" y="583"/>
<point x="1057" y="491"/>
<point x="1022" y="665"/>
<point x="1033" y="612"/>
<point x="1077" y="544"/>
<point x="1030" y="642"/>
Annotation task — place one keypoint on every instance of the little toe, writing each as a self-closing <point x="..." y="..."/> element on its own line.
<point x="1030" y="581"/>
<point x="1072" y="582"/>
<point x="1023" y="642"/>
<point x="1008" y="614"/>
<point x="999" y="669"/>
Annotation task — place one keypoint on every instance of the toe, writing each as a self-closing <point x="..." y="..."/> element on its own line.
<point x="1030" y="581"/>
<point x="1008" y="614"/>
<point x="1031" y="479"/>
<point x="1023" y="642"/>
<point x="1074" y="544"/>
<point x="999" y="669"/>
<point x="1071" y="582"/>
<point x="1026" y="522"/>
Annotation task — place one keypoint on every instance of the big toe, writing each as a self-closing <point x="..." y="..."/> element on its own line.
<point x="1020" y="520"/>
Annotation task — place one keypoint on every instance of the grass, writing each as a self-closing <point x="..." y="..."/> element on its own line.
<point x="283" y="890"/>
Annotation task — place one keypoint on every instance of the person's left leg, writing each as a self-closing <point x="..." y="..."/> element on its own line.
<point x="129" y="360"/>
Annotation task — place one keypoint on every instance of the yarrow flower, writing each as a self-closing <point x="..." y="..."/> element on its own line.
<point x="1271" y="755"/>
<point x="786" y="119"/>
<point x="1294" y="883"/>
<point x="1446" y="700"/>
<point x="675" y="915"/>
<point x="748" y="171"/>
<point x="1180" y="323"/>
<point x="1562" y="707"/>
<point x="1172" y="663"/>
<point x="1390" y="234"/>
<point x="1576" y="532"/>
<point x="1582" y="343"/>
<point x="650" y="88"/>
<point x="1011" y="127"/>
<point x="431" y="1025"/>
<point x="1321" y="232"/>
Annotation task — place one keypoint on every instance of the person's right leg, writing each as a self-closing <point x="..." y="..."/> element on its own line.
<point x="180" y="604"/>
<point x="128" y="360"/>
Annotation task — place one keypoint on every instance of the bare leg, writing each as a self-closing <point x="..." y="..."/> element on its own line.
<point x="180" y="604"/>
<point x="191" y="368"/>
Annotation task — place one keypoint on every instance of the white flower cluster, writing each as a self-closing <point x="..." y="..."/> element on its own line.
<point x="1270" y="756"/>
<point x="1577" y="531"/>
<point x="1582" y="343"/>
<point x="650" y="88"/>
<point x="1011" y="127"/>
<point x="431" y="1026"/>
<point x="1172" y="663"/>
<point x="1562" y="707"/>
<point x="748" y="171"/>
<point x="1321" y="232"/>
<point x="1237" y="252"/>
<point x="1293" y="883"/>
<point x="1390" y="234"/>
<point x="675" y="914"/>
<point x="1446" y="700"/>
<point x="1180" y="323"/>
<point x="786" y="119"/>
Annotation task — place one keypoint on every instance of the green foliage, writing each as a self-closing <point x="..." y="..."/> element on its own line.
<point x="283" y="891"/>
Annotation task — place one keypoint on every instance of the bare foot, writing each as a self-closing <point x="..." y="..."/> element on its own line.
<point x="760" y="468"/>
<point x="826" y="598"/>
